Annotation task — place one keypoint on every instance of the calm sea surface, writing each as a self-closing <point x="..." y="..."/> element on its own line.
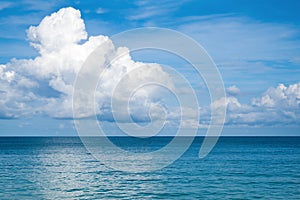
<point x="237" y="168"/>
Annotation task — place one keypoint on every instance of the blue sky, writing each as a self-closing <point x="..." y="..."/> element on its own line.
<point x="255" y="44"/>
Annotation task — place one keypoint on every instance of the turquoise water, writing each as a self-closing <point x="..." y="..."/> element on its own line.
<point x="237" y="168"/>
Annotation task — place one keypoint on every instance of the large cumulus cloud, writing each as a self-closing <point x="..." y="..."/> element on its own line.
<point x="44" y="85"/>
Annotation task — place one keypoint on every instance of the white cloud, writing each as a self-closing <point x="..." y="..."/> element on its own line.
<point x="277" y="106"/>
<point x="58" y="30"/>
<point x="101" y="11"/>
<point x="282" y="97"/>
<point x="16" y="94"/>
<point x="233" y="90"/>
<point x="63" y="46"/>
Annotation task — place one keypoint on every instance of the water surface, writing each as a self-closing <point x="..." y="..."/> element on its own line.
<point x="237" y="168"/>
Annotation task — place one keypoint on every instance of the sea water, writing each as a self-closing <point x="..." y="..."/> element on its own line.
<point x="237" y="168"/>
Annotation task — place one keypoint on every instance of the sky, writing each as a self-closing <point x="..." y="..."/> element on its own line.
<point x="254" y="44"/>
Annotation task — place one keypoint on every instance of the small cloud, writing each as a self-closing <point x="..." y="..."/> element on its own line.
<point x="233" y="90"/>
<point x="282" y="97"/>
<point x="276" y="106"/>
<point x="101" y="11"/>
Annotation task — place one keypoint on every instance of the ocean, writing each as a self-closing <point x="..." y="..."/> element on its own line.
<point x="237" y="168"/>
